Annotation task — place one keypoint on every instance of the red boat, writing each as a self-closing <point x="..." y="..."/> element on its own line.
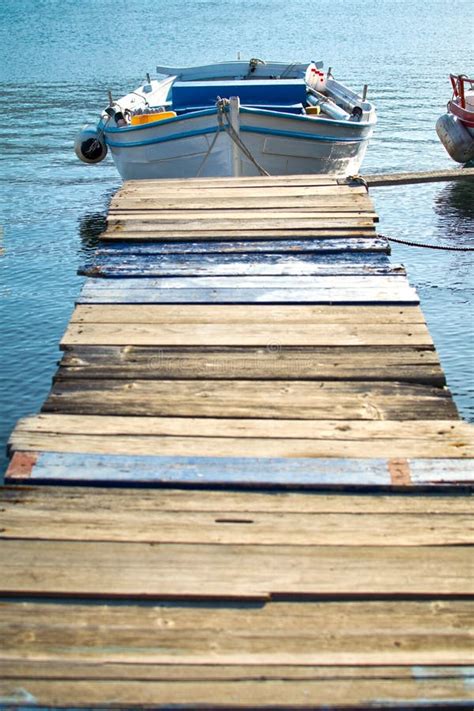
<point x="462" y="103"/>
<point x="456" y="127"/>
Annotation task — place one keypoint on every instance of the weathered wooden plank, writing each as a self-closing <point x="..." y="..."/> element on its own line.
<point x="226" y="265"/>
<point x="291" y="694"/>
<point x="244" y="181"/>
<point x="127" y="459"/>
<point x="246" y="191"/>
<point x="428" y="176"/>
<point x="418" y="430"/>
<point x="115" y="294"/>
<point x="318" y="246"/>
<point x="154" y="201"/>
<point x="191" y="226"/>
<point x="270" y="336"/>
<point x="423" y="470"/>
<point x="304" y="289"/>
<point x="136" y="459"/>
<point x="71" y="499"/>
<point x="225" y="437"/>
<point x="255" y="399"/>
<point x="403" y="364"/>
<point x="258" y="282"/>
<point x="210" y="571"/>
<point x="291" y="315"/>
<point x="72" y="669"/>
<point x="311" y="637"/>
<point x="201" y="219"/>
<point x="223" y="192"/>
<point x="244" y="471"/>
<point x="100" y="521"/>
<point x="241" y="181"/>
<point x="327" y="262"/>
<point x="239" y="235"/>
<point x="291" y="215"/>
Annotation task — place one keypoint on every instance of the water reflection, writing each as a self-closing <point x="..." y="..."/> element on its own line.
<point x="456" y="203"/>
<point x="91" y="227"/>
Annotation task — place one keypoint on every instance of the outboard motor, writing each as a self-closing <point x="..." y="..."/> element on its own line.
<point x="90" y="145"/>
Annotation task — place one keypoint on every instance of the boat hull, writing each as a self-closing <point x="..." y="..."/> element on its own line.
<point x="282" y="144"/>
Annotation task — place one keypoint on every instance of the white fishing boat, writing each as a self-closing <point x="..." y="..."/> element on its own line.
<point x="237" y="118"/>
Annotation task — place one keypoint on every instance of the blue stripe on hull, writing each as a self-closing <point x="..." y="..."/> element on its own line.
<point x="243" y="129"/>
<point x="162" y="139"/>
<point x="314" y="119"/>
<point x="292" y="134"/>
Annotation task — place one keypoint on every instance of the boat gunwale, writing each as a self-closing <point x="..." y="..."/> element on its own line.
<point x="244" y="110"/>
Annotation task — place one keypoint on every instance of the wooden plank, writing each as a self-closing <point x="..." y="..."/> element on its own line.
<point x="241" y="181"/>
<point x="238" y="235"/>
<point x="403" y="364"/>
<point x="71" y="499"/>
<point x="100" y="521"/>
<point x="72" y="669"/>
<point x="113" y="295"/>
<point x="291" y="694"/>
<point x="231" y="459"/>
<point x="270" y="336"/>
<point x="179" y="640"/>
<point x="259" y="282"/>
<point x="210" y="571"/>
<point x="247" y="438"/>
<point x="193" y="314"/>
<point x="254" y="399"/>
<point x="148" y="291"/>
<point x="325" y="261"/>
<point x="137" y="460"/>
<point x="223" y="192"/>
<point x="318" y="246"/>
<point x="146" y="210"/>
<point x="154" y="201"/>
<point x="122" y="461"/>
<point x="423" y="470"/>
<point x="147" y="214"/>
<point x="428" y="176"/>
<point x="415" y="431"/>
<point x="246" y="184"/>
<point x="238" y="224"/>
<point x="199" y="265"/>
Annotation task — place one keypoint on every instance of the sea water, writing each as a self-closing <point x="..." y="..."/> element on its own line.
<point x="58" y="59"/>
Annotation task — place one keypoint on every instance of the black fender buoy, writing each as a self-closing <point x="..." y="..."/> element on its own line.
<point x="89" y="145"/>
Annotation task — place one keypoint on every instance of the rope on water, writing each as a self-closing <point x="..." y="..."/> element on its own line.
<point x="427" y="246"/>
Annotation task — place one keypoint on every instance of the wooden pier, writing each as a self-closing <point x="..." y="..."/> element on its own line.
<point x="249" y="485"/>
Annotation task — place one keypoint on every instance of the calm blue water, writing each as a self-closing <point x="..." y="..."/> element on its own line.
<point x="58" y="58"/>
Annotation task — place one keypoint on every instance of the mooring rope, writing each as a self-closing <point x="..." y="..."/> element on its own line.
<point x="427" y="246"/>
<point x="238" y="141"/>
<point x="209" y="150"/>
<point x="222" y="106"/>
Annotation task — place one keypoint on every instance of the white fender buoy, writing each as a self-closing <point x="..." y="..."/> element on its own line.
<point x="455" y="137"/>
<point x="89" y="145"/>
